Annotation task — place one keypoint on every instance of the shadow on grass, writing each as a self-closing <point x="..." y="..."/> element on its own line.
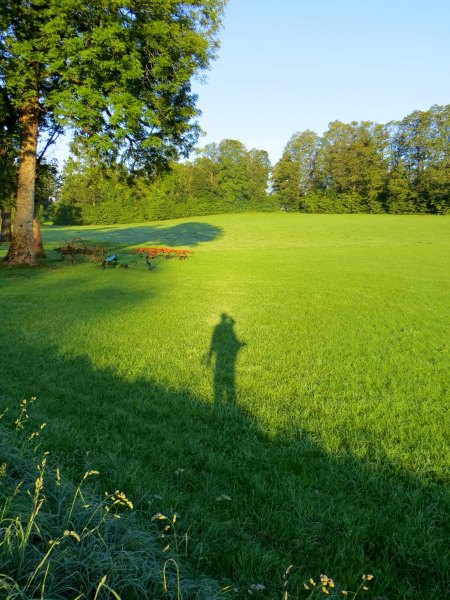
<point x="249" y="505"/>
<point x="183" y="234"/>
<point x="222" y="355"/>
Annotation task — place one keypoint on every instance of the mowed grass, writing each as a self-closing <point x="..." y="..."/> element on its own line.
<point x="317" y="436"/>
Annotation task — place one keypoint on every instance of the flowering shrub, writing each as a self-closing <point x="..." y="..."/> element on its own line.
<point x="166" y="252"/>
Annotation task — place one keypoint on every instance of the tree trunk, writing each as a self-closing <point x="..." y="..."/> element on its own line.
<point x="21" y="249"/>
<point x="5" y="233"/>
<point x="37" y="239"/>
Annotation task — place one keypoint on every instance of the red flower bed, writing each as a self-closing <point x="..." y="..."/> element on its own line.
<point x="166" y="252"/>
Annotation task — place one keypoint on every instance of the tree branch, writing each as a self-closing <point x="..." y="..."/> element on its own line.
<point x="51" y="140"/>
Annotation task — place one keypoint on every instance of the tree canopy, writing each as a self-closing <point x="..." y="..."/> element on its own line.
<point x="225" y="177"/>
<point x="401" y="167"/>
<point x="117" y="72"/>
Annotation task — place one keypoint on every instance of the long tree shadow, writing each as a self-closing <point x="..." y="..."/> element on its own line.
<point x="250" y="505"/>
<point x="183" y="234"/>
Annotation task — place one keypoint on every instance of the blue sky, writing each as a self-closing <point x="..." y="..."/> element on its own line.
<point x="290" y="65"/>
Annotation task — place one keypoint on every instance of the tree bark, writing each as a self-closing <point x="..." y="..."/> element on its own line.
<point x="39" y="251"/>
<point x="5" y="233"/>
<point x="21" y="250"/>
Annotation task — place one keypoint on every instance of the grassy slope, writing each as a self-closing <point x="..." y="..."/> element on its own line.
<point x="335" y="454"/>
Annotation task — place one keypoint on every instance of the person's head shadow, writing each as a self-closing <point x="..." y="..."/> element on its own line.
<point x="222" y="355"/>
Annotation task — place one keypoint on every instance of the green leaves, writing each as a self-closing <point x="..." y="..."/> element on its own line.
<point x="118" y="73"/>
<point x="293" y="174"/>
<point x="402" y="167"/>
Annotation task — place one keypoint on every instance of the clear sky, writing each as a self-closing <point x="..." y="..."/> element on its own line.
<point x="290" y="65"/>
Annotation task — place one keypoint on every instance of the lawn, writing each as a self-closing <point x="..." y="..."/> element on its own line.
<point x="284" y="390"/>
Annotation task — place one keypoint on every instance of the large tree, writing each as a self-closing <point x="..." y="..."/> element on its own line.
<point x="116" y="72"/>
<point x="232" y="173"/>
<point x="293" y="175"/>
<point x="351" y="161"/>
<point x="420" y="161"/>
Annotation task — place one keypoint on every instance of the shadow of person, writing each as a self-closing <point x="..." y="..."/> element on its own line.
<point x="293" y="499"/>
<point x="223" y="352"/>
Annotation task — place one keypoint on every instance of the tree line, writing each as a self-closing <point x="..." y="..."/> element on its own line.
<point x="225" y="177"/>
<point x="401" y="167"/>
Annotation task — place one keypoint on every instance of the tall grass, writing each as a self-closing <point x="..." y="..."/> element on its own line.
<point x="60" y="540"/>
<point x="317" y="435"/>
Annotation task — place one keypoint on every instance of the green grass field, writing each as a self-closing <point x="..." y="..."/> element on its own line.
<point x="317" y="435"/>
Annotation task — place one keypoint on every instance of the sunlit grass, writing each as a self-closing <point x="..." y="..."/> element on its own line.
<point x="335" y="456"/>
